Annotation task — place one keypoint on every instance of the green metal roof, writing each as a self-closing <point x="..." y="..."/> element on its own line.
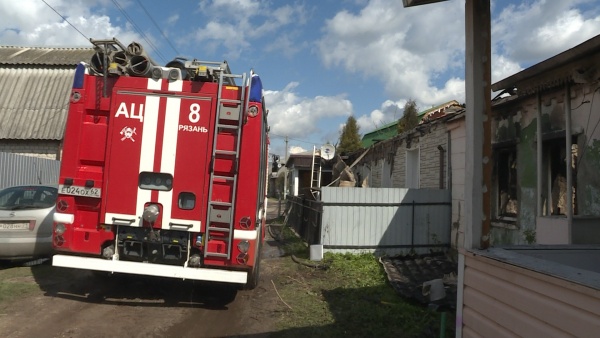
<point x="390" y="130"/>
<point x="380" y="134"/>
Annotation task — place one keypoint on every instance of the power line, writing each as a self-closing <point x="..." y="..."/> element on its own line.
<point x="55" y="11"/>
<point x="138" y="30"/>
<point x="157" y="27"/>
<point x="295" y="139"/>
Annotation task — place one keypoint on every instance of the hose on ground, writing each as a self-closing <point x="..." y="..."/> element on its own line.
<point x="320" y="265"/>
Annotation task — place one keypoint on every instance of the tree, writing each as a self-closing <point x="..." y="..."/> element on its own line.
<point x="410" y="119"/>
<point x="349" y="137"/>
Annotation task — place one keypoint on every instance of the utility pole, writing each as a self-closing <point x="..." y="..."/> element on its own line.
<point x="285" y="182"/>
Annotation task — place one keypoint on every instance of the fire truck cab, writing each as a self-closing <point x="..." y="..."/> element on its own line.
<point x="163" y="169"/>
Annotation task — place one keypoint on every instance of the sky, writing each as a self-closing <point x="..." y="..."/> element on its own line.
<point x="319" y="61"/>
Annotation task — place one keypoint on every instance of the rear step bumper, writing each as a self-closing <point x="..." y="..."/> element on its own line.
<point x="138" y="268"/>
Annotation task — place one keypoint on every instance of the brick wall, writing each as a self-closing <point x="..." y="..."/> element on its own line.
<point x="429" y="161"/>
<point x="430" y="157"/>
<point x="376" y="171"/>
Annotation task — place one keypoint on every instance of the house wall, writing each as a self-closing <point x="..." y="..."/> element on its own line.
<point x="434" y="135"/>
<point x="516" y="123"/>
<point x="376" y="172"/>
<point x="430" y="156"/>
<point x="504" y="300"/>
<point x="457" y="153"/>
<point x="48" y="149"/>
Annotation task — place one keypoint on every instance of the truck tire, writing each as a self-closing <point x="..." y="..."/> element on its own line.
<point x="254" y="276"/>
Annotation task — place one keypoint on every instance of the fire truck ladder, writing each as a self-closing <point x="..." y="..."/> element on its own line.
<point x="228" y="125"/>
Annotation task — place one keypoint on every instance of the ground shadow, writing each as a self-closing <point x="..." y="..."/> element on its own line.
<point x="132" y="290"/>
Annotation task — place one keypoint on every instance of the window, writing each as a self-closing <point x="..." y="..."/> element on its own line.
<point x="506" y="183"/>
<point x="27" y="197"/>
<point x="555" y="176"/>
<point x="412" y="168"/>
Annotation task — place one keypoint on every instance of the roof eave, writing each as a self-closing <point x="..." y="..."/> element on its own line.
<point x="588" y="47"/>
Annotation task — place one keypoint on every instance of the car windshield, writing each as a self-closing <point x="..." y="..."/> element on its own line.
<point x="27" y="197"/>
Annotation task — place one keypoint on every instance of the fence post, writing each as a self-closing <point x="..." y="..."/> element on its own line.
<point x="412" y="240"/>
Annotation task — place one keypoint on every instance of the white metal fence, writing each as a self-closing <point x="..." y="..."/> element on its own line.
<point x="386" y="221"/>
<point x="18" y="169"/>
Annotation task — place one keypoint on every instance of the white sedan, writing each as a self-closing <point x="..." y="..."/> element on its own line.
<point x="26" y="214"/>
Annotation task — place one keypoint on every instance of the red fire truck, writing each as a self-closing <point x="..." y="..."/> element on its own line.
<point x="164" y="169"/>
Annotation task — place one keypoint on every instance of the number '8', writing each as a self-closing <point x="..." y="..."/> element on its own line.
<point x="194" y="113"/>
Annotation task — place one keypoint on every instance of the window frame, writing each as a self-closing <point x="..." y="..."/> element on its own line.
<point x="505" y="177"/>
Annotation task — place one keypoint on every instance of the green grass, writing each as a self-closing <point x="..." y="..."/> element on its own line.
<point x="352" y="297"/>
<point x="16" y="282"/>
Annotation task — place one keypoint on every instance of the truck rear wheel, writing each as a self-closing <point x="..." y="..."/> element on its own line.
<point x="254" y="276"/>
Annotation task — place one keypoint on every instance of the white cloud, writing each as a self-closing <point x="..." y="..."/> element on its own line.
<point x="235" y="24"/>
<point x="390" y="111"/>
<point x="33" y="23"/>
<point x="286" y="44"/>
<point x="406" y="48"/>
<point x="503" y="67"/>
<point x="418" y="52"/>
<point x="536" y="30"/>
<point x="297" y="150"/>
<point x="171" y="20"/>
<point x="297" y="117"/>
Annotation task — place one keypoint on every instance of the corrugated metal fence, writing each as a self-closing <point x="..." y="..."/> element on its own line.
<point x="386" y="221"/>
<point x="18" y="169"/>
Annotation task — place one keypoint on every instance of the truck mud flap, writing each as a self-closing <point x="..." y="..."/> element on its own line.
<point x="139" y="268"/>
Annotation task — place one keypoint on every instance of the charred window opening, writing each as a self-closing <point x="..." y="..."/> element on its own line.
<point x="155" y="181"/>
<point x="507" y="205"/>
<point x="555" y="173"/>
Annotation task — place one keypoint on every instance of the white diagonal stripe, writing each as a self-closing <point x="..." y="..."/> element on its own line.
<point x="147" y="150"/>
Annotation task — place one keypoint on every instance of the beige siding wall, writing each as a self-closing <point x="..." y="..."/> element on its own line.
<point x="457" y="164"/>
<point x="503" y="300"/>
<point x="36" y="148"/>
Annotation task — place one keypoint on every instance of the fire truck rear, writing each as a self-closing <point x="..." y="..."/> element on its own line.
<point x="163" y="170"/>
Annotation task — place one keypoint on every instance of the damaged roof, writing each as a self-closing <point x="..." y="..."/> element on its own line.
<point x="390" y="130"/>
<point x="408" y="273"/>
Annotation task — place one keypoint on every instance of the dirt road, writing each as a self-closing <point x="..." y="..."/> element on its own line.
<point x="74" y="303"/>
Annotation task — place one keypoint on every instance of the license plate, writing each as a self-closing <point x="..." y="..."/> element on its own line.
<point x="79" y="191"/>
<point x="14" y="226"/>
